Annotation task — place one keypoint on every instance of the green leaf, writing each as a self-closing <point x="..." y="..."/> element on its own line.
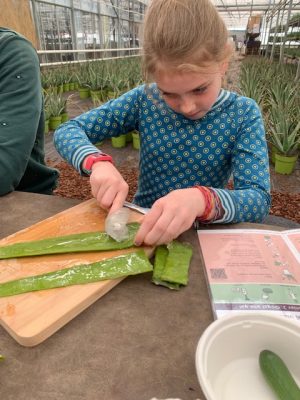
<point x="112" y="268"/>
<point x="171" y="265"/>
<point x="80" y="242"/>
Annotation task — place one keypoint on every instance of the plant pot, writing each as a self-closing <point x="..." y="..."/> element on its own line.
<point x="54" y="122"/>
<point x="72" y="85"/>
<point x="128" y="137"/>
<point x="66" y="87"/>
<point x="96" y="95"/>
<point x="46" y="126"/>
<point x="64" y="117"/>
<point x="60" y="89"/>
<point x="285" y="164"/>
<point x="110" y="94"/>
<point x="104" y="95"/>
<point x="273" y="152"/>
<point x="76" y="85"/>
<point x="84" y="92"/>
<point x="119" y="141"/>
<point x="136" y="140"/>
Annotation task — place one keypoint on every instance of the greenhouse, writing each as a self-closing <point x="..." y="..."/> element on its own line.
<point x="149" y="199"/>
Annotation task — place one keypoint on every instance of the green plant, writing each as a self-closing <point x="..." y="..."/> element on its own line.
<point x="282" y="95"/>
<point x="82" y="75"/>
<point x="46" y="107"/>
<point x="252" y="83"/>
<point x="284" y="134"/>
<point x="56" y="104"/>
<point x="95" y="74"/>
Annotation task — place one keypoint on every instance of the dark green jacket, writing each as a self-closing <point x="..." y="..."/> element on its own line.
<point x="22" y="164"/>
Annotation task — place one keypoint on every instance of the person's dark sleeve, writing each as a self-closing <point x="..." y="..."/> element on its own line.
<point x="20" y="108"/>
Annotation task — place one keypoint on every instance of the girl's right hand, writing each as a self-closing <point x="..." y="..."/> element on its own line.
<point x="108" y="186"/>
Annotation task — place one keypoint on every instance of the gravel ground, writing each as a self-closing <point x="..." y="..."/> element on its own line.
<point x="285" y="189"/>
<point x="285" y="203"/>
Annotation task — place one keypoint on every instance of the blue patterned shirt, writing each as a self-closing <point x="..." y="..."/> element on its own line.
<point x="176" y="152"/>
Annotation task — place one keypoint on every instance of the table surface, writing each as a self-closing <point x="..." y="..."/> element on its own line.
<point x="135" y="343"/>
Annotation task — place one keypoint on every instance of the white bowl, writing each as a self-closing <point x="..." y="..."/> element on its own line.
<point x="228" y="351"/>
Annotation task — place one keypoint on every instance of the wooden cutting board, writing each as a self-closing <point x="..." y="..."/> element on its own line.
<point x="30" y="318"/>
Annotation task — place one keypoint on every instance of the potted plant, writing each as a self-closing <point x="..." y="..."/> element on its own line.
<point x="285" y="137"/>
<point x="82" y="77"/>
<point x="56" y="105"/>
<point x="95" y="81"/>
<point x="283" y="123"/>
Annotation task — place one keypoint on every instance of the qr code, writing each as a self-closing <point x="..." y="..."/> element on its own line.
<point x="218" y="273"/>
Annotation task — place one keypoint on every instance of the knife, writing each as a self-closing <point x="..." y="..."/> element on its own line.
<point x="116" y="223"/>
<point x="141" y="210"/>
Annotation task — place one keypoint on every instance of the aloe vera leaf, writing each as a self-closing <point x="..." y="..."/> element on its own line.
<point x="160" y="259"/>
<point x="177" y="264"/>
<point x="80" y="242"/>
<point x="111" y="268"/>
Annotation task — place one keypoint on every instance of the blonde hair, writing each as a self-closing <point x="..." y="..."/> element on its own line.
<point x="183" y="34"/>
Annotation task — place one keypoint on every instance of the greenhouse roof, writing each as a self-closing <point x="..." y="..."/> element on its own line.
<point x="237" y="12"/>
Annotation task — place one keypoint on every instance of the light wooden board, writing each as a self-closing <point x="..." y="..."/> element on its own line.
<point x="32" y="317"/>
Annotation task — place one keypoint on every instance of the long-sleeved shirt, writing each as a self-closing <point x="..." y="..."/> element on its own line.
<point x="176" y="152"/>
<point x="22" y="165"/>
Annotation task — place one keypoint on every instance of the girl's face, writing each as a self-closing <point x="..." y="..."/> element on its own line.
<point x="191" y="94"/>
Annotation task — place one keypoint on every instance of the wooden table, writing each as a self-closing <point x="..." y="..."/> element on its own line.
<point x="135" y="343"/>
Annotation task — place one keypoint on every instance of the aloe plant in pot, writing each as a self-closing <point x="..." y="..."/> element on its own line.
<point x="82" y="77"/>
<point x="56" y="105"/>
<point x="96" y="80"/>
<point x="284" y="135"/>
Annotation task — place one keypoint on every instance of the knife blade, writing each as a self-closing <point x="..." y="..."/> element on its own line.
<point x="135" y="207"/>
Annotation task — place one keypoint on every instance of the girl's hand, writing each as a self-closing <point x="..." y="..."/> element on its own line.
<point x="170" y="216"/>
<point x="108" y="186"/>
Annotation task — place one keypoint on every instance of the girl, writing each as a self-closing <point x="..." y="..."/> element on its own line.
<point x="194" y="135"/>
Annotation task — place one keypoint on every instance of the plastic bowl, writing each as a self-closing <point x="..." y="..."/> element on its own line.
<point x="228" y="352"/>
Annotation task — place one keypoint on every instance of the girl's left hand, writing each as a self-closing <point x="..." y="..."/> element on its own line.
<point x="170" y="216"/>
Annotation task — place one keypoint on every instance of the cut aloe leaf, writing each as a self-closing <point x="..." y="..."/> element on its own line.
<point x="80" y="242"/>
<point x="111" y="268"/>
<point x="171" y="265"/>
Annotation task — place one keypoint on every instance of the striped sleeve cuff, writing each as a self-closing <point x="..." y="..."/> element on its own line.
<point x="80" y="154"/>
<point x="227" y="204"/>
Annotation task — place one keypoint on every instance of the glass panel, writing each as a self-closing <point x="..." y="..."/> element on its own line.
<point x="91" y="30"/>
<point x="87" y="33"/>
<point x="55" y="31"/>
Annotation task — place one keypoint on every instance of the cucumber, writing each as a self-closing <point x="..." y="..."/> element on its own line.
<point x="278" y="376"/>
